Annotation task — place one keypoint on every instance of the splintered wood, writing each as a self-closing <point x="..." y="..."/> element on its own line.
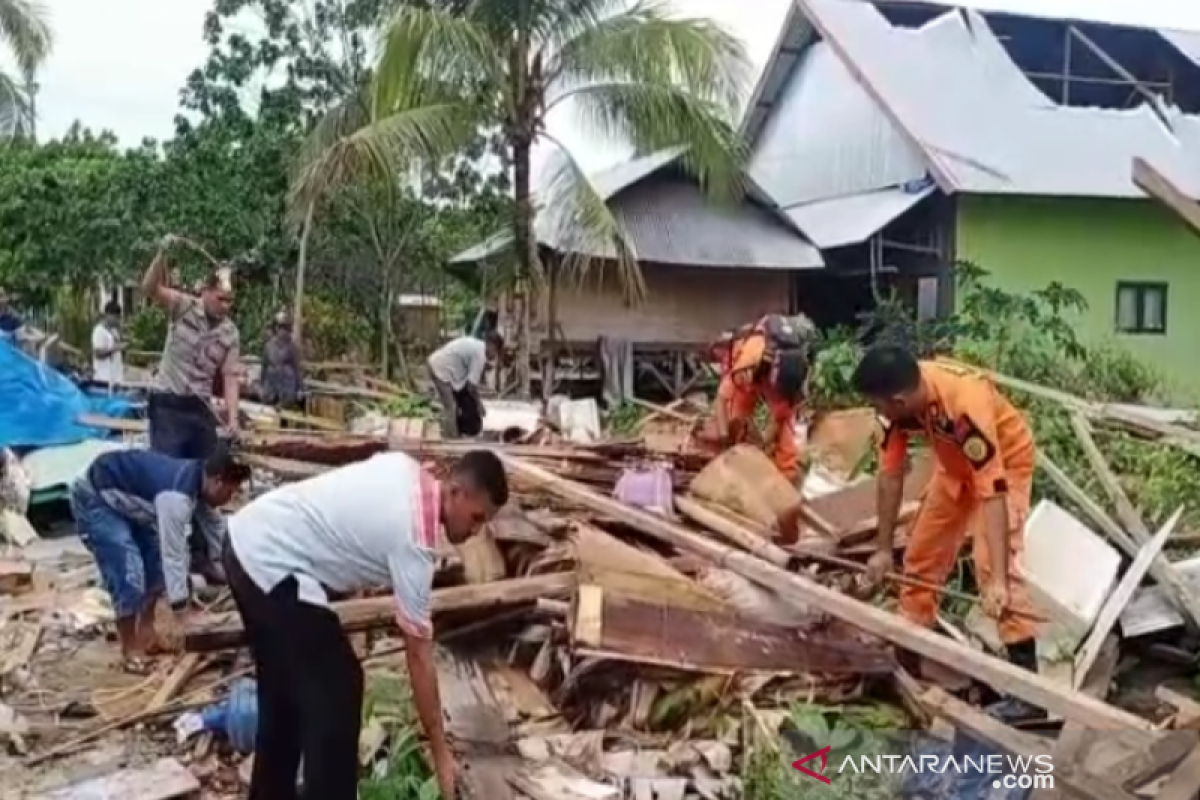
<point x="585" y="640"/>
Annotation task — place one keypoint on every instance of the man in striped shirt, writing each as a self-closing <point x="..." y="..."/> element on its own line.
<point x="371" y="524"/>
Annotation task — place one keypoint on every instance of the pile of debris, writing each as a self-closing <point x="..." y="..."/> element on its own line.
<point x="607" y="642"/>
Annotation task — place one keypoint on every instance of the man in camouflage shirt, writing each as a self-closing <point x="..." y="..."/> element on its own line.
<point x="200" y="359"/>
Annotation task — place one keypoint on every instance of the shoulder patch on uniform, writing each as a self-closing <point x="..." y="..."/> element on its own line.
<point x="977" y="448"/>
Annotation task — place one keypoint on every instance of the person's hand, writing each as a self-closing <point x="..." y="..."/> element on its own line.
<point x="995" y="598"/>
<point x="879" y="565"/>
<point x="446" y="770"/>
<point x="171" y="629"/>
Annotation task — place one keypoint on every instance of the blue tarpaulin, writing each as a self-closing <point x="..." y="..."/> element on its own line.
<point x="40" y="407"/>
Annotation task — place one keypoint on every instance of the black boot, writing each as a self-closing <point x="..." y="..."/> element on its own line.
<point x="1012" y="710"/>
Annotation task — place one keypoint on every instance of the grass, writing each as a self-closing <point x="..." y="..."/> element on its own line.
<point x="401" y="771"/>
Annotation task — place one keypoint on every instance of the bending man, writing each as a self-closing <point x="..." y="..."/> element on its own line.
<point x="765" y="362"/>
<point x="133" y="509"/>
<point x="984" y="479"/>
<point x="457" y="369"/>
<point x="358" y="527"/>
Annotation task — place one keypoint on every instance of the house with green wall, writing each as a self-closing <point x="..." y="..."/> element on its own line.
<point x="901" y="137"/>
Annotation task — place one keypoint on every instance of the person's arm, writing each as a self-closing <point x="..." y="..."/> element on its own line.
<point x="212" y="526"/>
<point x="174" y="511"/>
<point x="412" y="571"/>
<point x="231" y="370"/>
<point x="976" y="426"/>
<point x="893" y="461"/>
<point x="155" y="285"/>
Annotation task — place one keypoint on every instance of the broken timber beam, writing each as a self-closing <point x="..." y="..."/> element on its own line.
<point x="1000" y="675"/>
<point x="1183" y="598"/>
<point x="981" y="726"/>
<point x="1163" y="190"/>
<point x="378" y="612"/>
<point x="1110" y="612"/>
<point x="607" y="625"/>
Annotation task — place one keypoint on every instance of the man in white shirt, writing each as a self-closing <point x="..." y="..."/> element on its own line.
<point x="108" y="363"/>
<point x="457" y="369"/>
<point x="359" y="527"/>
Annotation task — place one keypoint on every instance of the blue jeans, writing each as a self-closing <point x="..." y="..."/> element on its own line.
<point x="128" y="555"/>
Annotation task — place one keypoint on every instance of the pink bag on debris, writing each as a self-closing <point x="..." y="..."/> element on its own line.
<point x="648" y="487"/>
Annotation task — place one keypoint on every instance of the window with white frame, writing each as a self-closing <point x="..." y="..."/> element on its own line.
<point x="1141" y="307"/>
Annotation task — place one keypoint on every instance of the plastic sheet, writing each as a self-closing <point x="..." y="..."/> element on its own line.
<point x="40" y="406"/>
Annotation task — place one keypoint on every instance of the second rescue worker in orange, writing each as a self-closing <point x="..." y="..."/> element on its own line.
<point x="983" y="482"/>
<point x="766" y="361"/>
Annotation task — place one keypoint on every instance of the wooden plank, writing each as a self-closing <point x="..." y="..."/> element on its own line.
<point x="1110" y="612"/>
<point x="1181" y="596"/>
<point x="1162" y="189"/>
<point x="165" y="779"/>
<point x="1075" y="740"/>
<point x="1184" y="783"/>
<point x="626" y="629"/>
<point x="15" y="576"/>
<point x="1005" y="678"/>
<point x="995" y="732"/>
<point x="477" y="729"/>
<point x="1147" y="763"/>
<point x="377" y="612"/>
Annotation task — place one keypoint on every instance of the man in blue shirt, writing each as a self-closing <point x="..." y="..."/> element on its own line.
<point x="133" y="509"/>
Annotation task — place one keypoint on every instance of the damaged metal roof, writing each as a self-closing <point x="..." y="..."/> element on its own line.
<point x="950" y="97"/>
<point x="668" y="219"/>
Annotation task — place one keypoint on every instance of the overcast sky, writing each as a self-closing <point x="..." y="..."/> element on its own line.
<point x="119" y="64"/>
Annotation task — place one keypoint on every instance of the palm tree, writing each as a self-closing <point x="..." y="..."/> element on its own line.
<point x="631" y="70"/>
<point x="25" y="29"/>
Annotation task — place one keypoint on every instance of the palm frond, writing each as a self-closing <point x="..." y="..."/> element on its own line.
<point x="559" y="21"/>
<point x="576" y="217"/>
<point x="336" y="156"/>
<point x="25" y="28"/>
<point x="14" y="108"/>
<point x="646" y="44"/>
<point x="429" y="56"/>
<point x="653" y="117"/>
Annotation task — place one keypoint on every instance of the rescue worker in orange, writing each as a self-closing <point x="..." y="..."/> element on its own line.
<point x="766" y="361"/>
<point x="983" y="482"/>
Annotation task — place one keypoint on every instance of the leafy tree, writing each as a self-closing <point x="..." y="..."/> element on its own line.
<point x="25" y="31"/>
<point x="67" y="212"/>
<point x="633" y="72"/>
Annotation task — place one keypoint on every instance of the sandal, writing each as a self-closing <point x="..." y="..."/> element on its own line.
<point x="137" y="665"/>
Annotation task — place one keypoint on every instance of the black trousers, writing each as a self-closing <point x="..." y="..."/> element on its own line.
<point x="310" y="692"/>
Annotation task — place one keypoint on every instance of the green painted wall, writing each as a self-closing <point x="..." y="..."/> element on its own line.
<point x="1090" y="245"/>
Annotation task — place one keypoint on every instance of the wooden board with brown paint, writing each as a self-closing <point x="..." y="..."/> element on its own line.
<point x="607" y="624"/>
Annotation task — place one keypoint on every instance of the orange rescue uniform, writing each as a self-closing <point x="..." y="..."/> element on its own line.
<point x="740" y="391"/>
<point x="984" y="449"/>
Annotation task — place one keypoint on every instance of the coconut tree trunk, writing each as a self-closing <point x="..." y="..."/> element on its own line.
<point x="301" y="265"/>
<point x="526" y="245"/>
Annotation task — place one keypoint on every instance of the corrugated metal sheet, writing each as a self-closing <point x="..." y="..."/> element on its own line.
<point x="954" y="89"/>
<point x="1186" y="42"/>
<point x="669" y="220"/>
<point x="826" y="138"/>
<point x="978" y="122"/>
<point x="850" y="220"/>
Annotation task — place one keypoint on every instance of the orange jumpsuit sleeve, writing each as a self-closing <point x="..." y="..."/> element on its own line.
<point x="976" y="430"/>
<point x="747" y="355"/>
<point x="893" y="449"/>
